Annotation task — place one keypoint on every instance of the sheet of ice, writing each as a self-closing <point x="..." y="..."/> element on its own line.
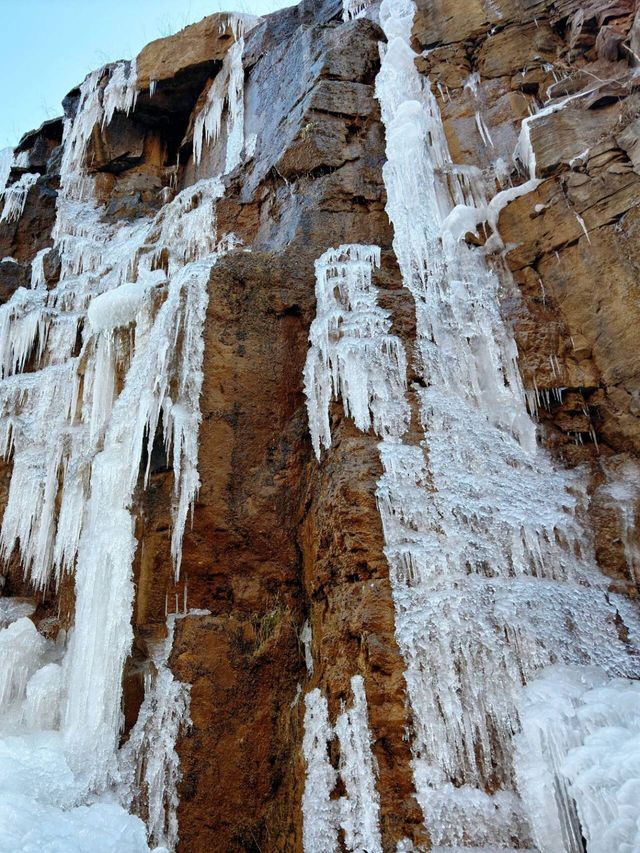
<point x="22" y="650"/>
<point x="12" y="609"/>
<point x="531" y="538"/>
<point x="578" y="760"/>
<point x="40" y="797"/>
<point x="622" y="491"/>
<point x="235" y="98"/>
<point x="27" y="825"/>
<point x="493" y="545"/>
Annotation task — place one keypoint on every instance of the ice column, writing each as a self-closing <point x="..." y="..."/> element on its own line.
<point x="319" y="828"/>
<point x="357" y="813"/>
<point x="360" y="809"/>
<point x="149" y="762"/>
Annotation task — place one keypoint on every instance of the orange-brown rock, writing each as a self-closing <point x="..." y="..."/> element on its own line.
<point x="197" y="45"/>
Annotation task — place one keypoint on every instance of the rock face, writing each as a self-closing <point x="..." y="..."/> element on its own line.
<point x="279" y="540"/>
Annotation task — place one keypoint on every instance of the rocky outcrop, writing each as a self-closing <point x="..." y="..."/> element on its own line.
<point x="278" y="540"/>
<point x="39" y="152"/>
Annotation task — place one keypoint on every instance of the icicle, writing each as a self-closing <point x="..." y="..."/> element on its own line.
<point x="306" y="640"/>
<point x="354" y="9"/>
<point x="352" y="353"/>
<point x="149" y="763"/>
<point x="37" y="269"/>
<point x="483" y="130"/>
<point x="120" y="93"/>
<point x="15" y="197"/>
<point x="96" y="106"/>
<point x="582" y="225"/>
<point x="227" y="90"/>
<point x="524" y="152"/>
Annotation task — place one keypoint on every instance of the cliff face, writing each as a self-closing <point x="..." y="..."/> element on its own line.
<point x="284" y="563"/>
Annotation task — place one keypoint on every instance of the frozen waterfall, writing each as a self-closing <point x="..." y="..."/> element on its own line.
<point x="493" y="576"/>
<point x="77" y="420"/>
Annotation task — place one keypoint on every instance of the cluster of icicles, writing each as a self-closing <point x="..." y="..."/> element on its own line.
<point x="356" y="812"/>
<point x="90" y="370"/>
<point x="493" y="579"/>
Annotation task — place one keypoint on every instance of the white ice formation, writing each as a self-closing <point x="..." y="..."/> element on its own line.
<point x="149" y="762"/>
<point x="15" y="196"/>
<point x="6" y="159"/>
<point x="354" y="9"/>
<point x="621" y="491"/>
<point x="492" y="573"/>
<point x="578" y="760"/>
<point x="92" y="371"/>
<point x="225" y="97"/>
<point x="357" y="812"/>
<point x="352" y="354"/>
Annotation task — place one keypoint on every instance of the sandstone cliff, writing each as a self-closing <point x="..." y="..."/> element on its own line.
<point x="280" y="542"/>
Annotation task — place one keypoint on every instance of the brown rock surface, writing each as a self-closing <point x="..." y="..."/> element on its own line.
<point x="197" y="45"/>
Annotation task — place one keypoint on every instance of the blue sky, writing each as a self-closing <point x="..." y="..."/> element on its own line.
<point x="48" y="46"/>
